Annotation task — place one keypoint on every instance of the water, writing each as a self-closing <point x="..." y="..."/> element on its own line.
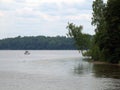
<point x="55" y="70"/>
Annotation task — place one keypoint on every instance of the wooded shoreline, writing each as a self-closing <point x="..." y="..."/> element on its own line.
<point x="105" y="63"/>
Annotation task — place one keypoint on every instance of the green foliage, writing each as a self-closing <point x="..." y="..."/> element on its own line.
<point x="95" y="52"/>
<point x="112" y="44"/>
<point x="98" y="14"/>
<point x="105" y="45"/>
<point x="38" y="43"/>
<point x="106" y="18"/>
<point x="82" y="41"/>
<point x="98" y="20"/>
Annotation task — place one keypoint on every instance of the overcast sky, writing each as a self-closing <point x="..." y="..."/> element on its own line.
<point x="43" y="17"/>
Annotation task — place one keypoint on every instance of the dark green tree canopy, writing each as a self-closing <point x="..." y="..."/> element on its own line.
<point x="106" y="18"/>
<point x="38" y="43"/>
<point x="112" y="17"/>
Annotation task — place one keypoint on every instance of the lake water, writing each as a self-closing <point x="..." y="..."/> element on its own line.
<point x="54" y="70"/>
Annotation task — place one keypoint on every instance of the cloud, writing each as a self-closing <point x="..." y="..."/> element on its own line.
<point x="30" y="13"/>
<point x="20" y="1"/>
<point x="45" y="17"/>
<point x="27" y="12"/>
<point x="72" y="15"/>
<point x="2" y="14"/>
<point x="55" y="1"/>
<point x="49" y="17"/>
<point x="65" y="1"/>
<point x="34" y="3"/>
<point x="24" y="11"/>
<point x="7" y="1"/>
<point x="79" y="17"/>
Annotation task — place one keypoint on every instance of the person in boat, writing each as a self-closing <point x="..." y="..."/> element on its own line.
<point x="26" y="53"/>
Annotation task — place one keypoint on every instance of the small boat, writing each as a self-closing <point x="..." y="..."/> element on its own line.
<point x="27" y="53"/>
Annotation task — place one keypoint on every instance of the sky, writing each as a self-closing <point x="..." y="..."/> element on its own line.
<point x="43" y="17"/>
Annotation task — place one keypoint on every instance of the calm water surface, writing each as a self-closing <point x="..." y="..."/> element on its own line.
<point x="55" y="70"/>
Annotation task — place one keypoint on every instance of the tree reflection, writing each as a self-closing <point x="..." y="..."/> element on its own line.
<point x="82" y="68"/>
<point x="104" y="76"/>
<point x="97" y="70"/>
<point x="106" y="71"/>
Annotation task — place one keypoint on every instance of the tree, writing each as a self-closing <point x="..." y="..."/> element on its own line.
<point x="112" y="44"/>
<point x="98" y="20"/>
<point x="82" y="41"/>
<point x="98" y="15"/>
<point x="106" y="18"/>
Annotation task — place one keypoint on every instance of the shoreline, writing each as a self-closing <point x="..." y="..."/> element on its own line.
<point x="104" y="63"/>
<point x="99" y="62"/>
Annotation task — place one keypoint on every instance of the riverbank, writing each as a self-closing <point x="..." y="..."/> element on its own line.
<point x="100" y="62"/>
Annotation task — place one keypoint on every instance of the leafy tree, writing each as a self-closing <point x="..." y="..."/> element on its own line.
<point x="112" y="44"/>
<point x="98" y="20"/>
<point x="106" y="18"/>
<point x="82" y="41"/>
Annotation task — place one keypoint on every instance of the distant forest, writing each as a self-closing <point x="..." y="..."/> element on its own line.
<point x="37" y="43"/>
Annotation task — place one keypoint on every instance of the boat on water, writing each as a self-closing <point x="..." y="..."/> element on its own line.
<point x="27" y="53"/>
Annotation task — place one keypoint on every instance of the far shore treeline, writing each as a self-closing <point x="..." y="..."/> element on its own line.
<point x="37" y="43"/>
<point x="42" y="43"/>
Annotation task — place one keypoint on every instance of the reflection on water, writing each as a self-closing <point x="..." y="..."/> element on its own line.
<point x="56" y="70"/>
<point x="98" y="70"/>
<point x="83" y="68"/>
<point x="106" y="71"/>
<point x="108" y="76"/>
